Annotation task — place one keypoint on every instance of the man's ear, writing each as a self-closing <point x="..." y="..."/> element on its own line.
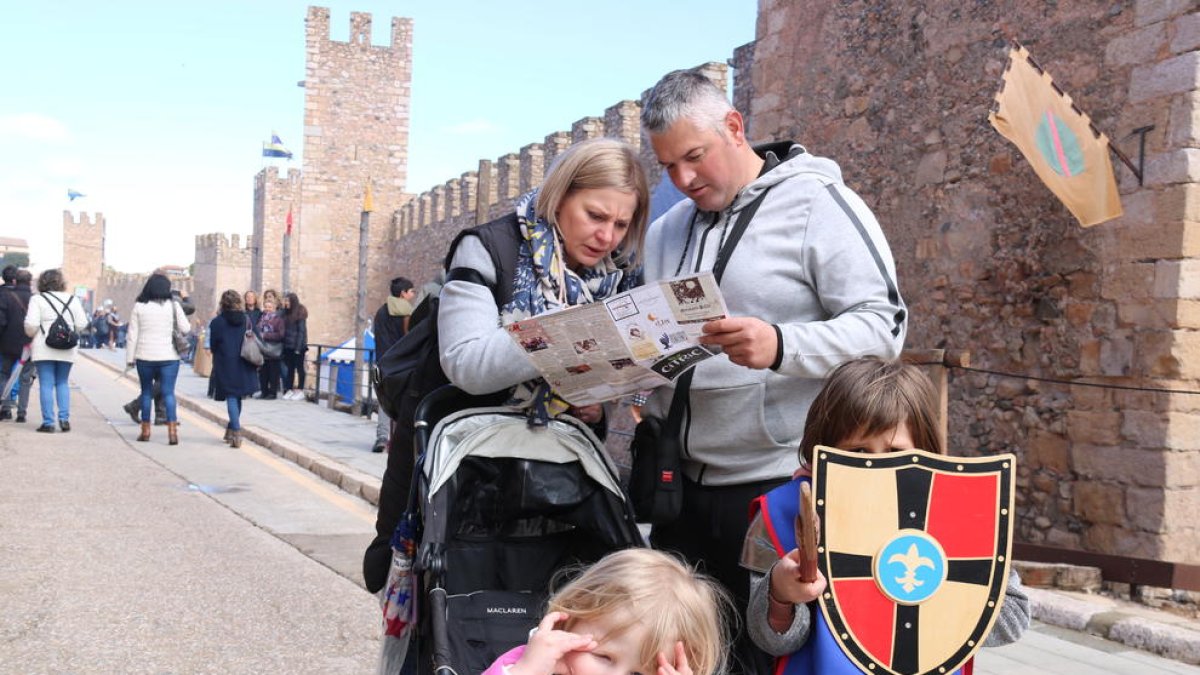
<point x="735" y="126"/>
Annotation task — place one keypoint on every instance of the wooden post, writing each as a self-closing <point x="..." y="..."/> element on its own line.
<point x="360" y="300"/>
<point x="935" y="363"/>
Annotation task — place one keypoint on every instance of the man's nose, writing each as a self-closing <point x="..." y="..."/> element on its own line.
<point x="682" y="177"/>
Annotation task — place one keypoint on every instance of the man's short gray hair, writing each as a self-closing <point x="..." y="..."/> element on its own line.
<point x="684" y="94"/>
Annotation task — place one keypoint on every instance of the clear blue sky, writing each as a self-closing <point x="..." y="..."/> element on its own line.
<point x="157" y="110"/>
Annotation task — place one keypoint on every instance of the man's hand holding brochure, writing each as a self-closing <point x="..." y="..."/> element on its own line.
<point x="640" y="339"/>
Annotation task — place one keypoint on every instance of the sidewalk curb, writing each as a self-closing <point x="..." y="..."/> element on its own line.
<point x="349" y="480"/>
<point x="1105" y="618"/>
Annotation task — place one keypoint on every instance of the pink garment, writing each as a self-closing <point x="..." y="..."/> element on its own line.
<point x="506" y="659"/>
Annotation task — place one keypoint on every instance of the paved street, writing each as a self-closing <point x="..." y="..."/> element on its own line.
<point x="141" y="557"/>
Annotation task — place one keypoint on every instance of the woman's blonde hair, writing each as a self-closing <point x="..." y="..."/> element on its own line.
<point x="671" y="600"/>
<point x="869" y="396"/>
<point x="597" y="164"/>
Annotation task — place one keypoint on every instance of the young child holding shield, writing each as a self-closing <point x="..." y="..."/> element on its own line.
<point x="871" y="406"/>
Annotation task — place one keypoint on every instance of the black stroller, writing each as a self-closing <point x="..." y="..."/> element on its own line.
<point x="503" y="508"/>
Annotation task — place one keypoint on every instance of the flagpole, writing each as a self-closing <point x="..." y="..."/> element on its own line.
<point x="287" y="253"/>
<point x="360" y="300"/>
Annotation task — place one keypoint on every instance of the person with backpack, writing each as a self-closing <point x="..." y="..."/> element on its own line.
<point x="573" y="241"/>
<point x="391" y="323"/>
<point x="54" y="320"/>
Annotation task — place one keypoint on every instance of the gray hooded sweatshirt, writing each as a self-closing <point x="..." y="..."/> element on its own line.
<point x="814" y="263"/>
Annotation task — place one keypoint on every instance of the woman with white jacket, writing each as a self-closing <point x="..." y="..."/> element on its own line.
<point x="53" y="365"/>
<point x="150" y="346"/>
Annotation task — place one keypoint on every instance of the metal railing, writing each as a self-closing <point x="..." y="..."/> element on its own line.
<point x="336" y="368"/>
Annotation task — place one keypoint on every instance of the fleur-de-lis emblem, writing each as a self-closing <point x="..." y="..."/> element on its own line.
<point x="912" y="561"/>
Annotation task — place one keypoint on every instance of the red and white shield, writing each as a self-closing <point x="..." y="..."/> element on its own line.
<point x="916" y="550"/>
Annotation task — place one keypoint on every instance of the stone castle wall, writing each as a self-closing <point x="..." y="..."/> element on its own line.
<point x="274" y="196"/>
<point x="427" y="224"/>
<point x="989" y="260"/>
<point x="356" y="119"/>
<point x="83" y="252"/>
<point x="221" y="263"/>
<point x="123" y="289"/>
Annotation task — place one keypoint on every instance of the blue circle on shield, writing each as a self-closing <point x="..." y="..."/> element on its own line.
<point x="910" y="567"/>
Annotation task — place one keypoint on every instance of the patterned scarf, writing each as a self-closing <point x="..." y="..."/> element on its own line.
<point x="544" y="283"/>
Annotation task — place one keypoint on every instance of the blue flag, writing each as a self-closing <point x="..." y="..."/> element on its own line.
<point x="72" y="194"/>
<point x="276" y="148"/>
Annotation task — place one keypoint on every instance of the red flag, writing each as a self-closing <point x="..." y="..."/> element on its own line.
<point x="289" y="221"/>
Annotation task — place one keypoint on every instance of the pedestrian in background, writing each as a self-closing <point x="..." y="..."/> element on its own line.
<point x="114" y="327"/>
<point x="151" y="348"/>
<point x="233" y="377"/>
<point x="270" y="329"/>
<point x="252" y="308"/>
<point x="14" y="302"/>
<point x="53" y="365"/>
<point x="100" y="329"/>
<point x="391" y="323"/>
<point x="295" y="344"/>
<point x="272" y="296"/>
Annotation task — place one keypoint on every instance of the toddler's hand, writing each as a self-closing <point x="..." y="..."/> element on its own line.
<point x="786" y="584"/>
<point x="680" y="666"/>
<point x="548" y="646"/>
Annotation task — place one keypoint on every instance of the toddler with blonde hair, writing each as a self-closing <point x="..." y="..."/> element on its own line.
<point x="634" y="611"/>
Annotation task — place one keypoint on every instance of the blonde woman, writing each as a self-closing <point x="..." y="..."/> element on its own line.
<point x="575" y="240"/>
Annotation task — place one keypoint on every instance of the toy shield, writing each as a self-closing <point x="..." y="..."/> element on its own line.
<point x="916" y="550"/>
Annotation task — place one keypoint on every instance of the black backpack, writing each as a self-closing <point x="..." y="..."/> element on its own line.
<point x="411" y="369"/>
<point x="61" y="334"/>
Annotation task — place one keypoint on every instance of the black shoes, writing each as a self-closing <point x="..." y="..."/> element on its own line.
<point x="5" y="415"/>
<point x="64" y="425"/>
<point x="20" y="419"/>
<point x="46" y="429"/>
<point x="135" y="411"/>
<point x="379" y="446"/>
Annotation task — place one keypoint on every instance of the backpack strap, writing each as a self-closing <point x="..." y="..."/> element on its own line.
<point x="57" y="312"/>
<point x="502" y="239"/>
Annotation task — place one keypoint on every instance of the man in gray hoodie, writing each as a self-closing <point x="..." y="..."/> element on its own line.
<point x="810" y="284"/>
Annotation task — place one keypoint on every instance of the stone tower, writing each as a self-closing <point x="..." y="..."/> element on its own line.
<point x="83" y="252"/>
<point x="356" y="118"/>
<point x="274" y="196"/>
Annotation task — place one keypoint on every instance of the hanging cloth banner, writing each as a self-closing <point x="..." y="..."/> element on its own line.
<point x="1058" y="140"/>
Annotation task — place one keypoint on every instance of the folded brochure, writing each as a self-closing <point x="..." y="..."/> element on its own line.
<point x="639" y="339"/>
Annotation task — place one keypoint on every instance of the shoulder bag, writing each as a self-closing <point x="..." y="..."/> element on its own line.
<point x="250" y="349"/>
<point x="655" y="479"/>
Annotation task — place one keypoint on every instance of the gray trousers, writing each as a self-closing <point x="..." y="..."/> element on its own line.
<point x="383" y="427"/>
<point x="26" y="381"/>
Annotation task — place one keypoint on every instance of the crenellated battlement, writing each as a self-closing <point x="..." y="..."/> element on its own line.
<point x="270" y="176"/>
<point x="217" y="248"/>
<point x="317" y="29"/>
<point x="424" y="226"/>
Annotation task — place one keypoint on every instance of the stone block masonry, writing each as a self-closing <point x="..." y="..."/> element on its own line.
<point x="221" y="263"/>
<point x="83" y="252"/>
<point x="356" y="120"/>
<point x="990" y="261"/>
<point x="274" y="197"/>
